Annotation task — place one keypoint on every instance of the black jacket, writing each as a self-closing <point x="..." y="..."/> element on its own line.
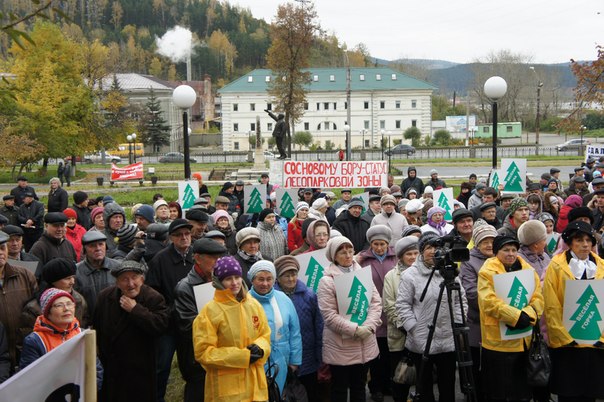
<point x="84" y="216"/>
<point x="58" y="200"/>
<point x="12" y="214"/>
<point x="355" y="229"/>
<point x="19" y="193"/>
<point x="33" y="211"/>
<point x="48" y="248"/>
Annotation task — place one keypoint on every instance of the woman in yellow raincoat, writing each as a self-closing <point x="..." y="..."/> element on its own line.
<point x="231" y="339"/>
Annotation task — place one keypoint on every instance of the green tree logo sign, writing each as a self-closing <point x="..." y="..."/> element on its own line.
<point x="286" y="206"/>
<point x="188" y="198"/>
<point x="315" y="273"/>
<point x="256" y="204"/>
<point x="519" y="299"/>
<point x="359" y="305"/>
<point x="586" y="317"/>
<point x="495" y="179"/>
<point x="513" y="179"/>
<point x="443" y="202"/>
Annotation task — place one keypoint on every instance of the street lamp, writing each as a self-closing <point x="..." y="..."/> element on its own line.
<point x="382" y="132"/>
<point x="495" y="88"/>
<point x="129" y="139"/>
<point x="134" y="147"/>
<point x="184" y="97"/>
<point x="538" y="115"/>
<point x="348" y="145"/>
<point x="582" y="146"/>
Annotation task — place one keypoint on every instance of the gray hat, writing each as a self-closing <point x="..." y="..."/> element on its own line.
<point x="92" y="236"/>
<point x="346" y="190"/>
<point x="356" y="202"/>
<point x="410" y="229"/>
<point x="208" y="246"/>
<point x="157" y="231"/>
<point x="246" y="234"/>
<point x="433" y="171"/>
<point x="597" y="181"/>
<point x="240" y="183"/>
<point x="579" y="179"/>
<point x="405" y="244"/>
<point x="426" y="239"/>
<point x="388" y="198"/>
<point x="212" y="234"/>
<point x="530" y="232"/>
<point x="128" y="266"/>
<point x="201" y="201"/>
<point x="482" y="230"/>
<point x="480" y="186"/>
<point x="461" y="213"/>
<point x="3" y="237"/>
<point x="221" y="199"/>
<point x="487" y="205"/>
<point x="413" y="206"/>
<point x="55" y="217"/>
<point x="379" y="232"/>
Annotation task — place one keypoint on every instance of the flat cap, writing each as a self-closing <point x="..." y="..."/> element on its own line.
<point x="3" y="237"/>
<point x="55" y="217"/>
<point x="208" y="246"/>
<point x="12" y="230"/>
<point x="487" y="205"/>
<point x="8" y="197"/>
<point x="179" y="224"/>
<point x="93" y="236"/>
<point x="128" y="266"/>
<point x="212" y="234"/>
<point x="197" y="215"/>
<point x="579" y="179"/>
<point x="221" y="199"/>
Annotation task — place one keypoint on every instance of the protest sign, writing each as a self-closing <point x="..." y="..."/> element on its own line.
<point x="312" y="267"/>
<point x="515" y="289"/>
<point x="187" y="193"/>
<point x="286" y="202"/>
<point x="254" y="199"/>
<point x="327" y="174"/>
<point x="130" y="172"/>
<point x="514" y="175"/>
<point x="353" y="292"/>
<point x="444" y="199"/>
<point x="582" y="315"/>
<point x="203" y="294"/>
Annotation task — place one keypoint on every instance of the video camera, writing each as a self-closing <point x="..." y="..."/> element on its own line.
<point x="449" y="251"/>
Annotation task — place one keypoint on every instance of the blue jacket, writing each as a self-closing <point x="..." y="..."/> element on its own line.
<point x="311" y="324"/>
<point x="286" y="341"/>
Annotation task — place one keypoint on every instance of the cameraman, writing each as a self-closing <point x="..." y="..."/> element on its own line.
<point x="416" y="317"/>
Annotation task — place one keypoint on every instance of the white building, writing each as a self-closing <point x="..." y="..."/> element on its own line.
<point x="383" y="102"/>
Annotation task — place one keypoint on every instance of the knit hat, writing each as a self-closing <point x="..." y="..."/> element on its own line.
<point x="410" y="229"/>
<point x="265" y="212"/>
<point x="433" y="171"/>
<point x="388" y="198"/>
<point x="516" y="203"/>
<point x="320" y="203"/>
<point x="246" y="234"/>
<point x="57" y="269"/>
<point x="262" y="265"/>
<point x="333" y="245"/>
<point x="126" y="233"/>
<point x="580" y="212"/>
<point x="301" y="205"/>
<point x="227" y="185"/>
<point x="49" y="296"/>
<point x="159" y="203"/>
<point x="146" y="212"/>
<point x="576" y="228"/>
<point x="70" y="213"/>
<point x="227" y="266"/>
<point x="286" y="263"/>
<point x="502" y="240"/>
<point x="544" y="217"/>
<point x="435" y="210"/>
<point x="530" y="232"/>
<point x="413" y="206"/>
<point x="107" y="200"/>
<point x="96" y="212"/>
<point x="379" y="232"/>
<point x="482" y="230"/>
<point x="461" y="213"/>
<point x="220" y="213"/>
<point x="79" y="197"/>
<point x="427" y="239"/>
<point x="574" y="201"/>
<point x="428" y="190"/>
<point x="405" y="244"/>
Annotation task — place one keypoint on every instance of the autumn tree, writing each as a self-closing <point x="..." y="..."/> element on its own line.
<point x="227" y="53"/>
<point x="115" y="109"/>
<point x="292" y="34"/>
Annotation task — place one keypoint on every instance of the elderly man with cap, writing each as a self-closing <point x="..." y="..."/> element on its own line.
<point x="518" y="213"/>
<point x="346" y="196"/>
<point x="144" y="216"/>
<point x="129" y="318"/>
<point x="222" y="203"/>
<point x="18" y="286"/>
<point x="198" y="220"/>
<point x="350" y="225"/>
<point x="166" y="269"/>
<point x="389" y="217"/>
<point x="488" y="212"/>
<point x="53" y="244"/>
<point x="10" y="210"/>
<point x="463" y="225"/>
<point x="115" y="217"/>
<point x="248" y="250"/>
<point x="15" y="246"/>
<point x="476" y="198"/>
<point x="374" y="209"/>
<point x="80" y="205"/>
<point x="31" y="215"/>
<point x="205" y="253"/>
<point x="413" y="212"/>
<point x="311" y="322"/>
<point x="434" y="181"/>
<point x="93" y="273"/>
<point x="579" y="187"/>
<point x="21" y="190"/>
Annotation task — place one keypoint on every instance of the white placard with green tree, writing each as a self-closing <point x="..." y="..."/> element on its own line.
<point x="353" y="292"/>
<point x="254" y="199"/>
<point x="364" y="197"/>
<point x="514" y="175"/>
<point x="312" y="267"/>
<point x="551" y="242"/>
<point x="497" y="178"/>
<point x="444" y="199"/>
<point x="287" y="198"/>
<point x="583" y="311"/>
<point x="188" y="191"/>
<point x="515" y="289"/>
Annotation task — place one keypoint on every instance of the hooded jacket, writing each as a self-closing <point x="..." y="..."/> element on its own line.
<point x="221" y="333"/>
<point x="111" y="209"/>
<point x="415" y="182"/>
<point x="45" y="338"/>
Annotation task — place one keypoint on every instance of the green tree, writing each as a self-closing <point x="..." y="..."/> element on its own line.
<point x="302" y="138"/>
<point x="154" y="128"/>
<point x="413" y="134"/>
<point x="292" y="34"/>
<point x="441" y="108"/>
<point x="114" y="106"/>
<point x="329" y="145"/>
<point x="441" y="137"/>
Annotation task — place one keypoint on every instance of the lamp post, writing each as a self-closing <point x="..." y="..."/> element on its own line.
<point x="382" y="143"/>
<point x="184" y="97"/>
<point x="134" y="147"/>
<point x="538" y="114"/>
<point x="348" y="145"/>
<point x="495" y="88"/>
<point x="129" y="139"/>
<point x="581" y="146"/>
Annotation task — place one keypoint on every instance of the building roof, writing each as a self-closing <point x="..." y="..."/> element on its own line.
<point x="130" y="82"/>
<point x="333" y="79"/>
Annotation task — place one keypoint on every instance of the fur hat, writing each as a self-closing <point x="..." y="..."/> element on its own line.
<point x="262" y="265"/>
<point x="575" y="228"/>
<point x="388" y="198"/>
<point x="405" y="244"/>
<point x="580" y="212"/>
<point x="428" y="190"/>
<point x="379" y="232"/>
<point x="333" y="245"/>
<point x="49" y="296"/>
<point x="530" y="232"/>
<point x="159" y="203"/>
<point x="227" y="266"/>
<point x="246" y="234"/>
<point x="413" y="206"/>
<point x="320" y="203"/>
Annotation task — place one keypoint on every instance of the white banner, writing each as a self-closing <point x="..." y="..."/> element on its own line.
<point x="203" y="294"/>
<point x="353" y="292"/>
<point x="254" y="198"/>
<point x="188" y="191"/>
<point x="319" y="174"/>
<point x="444" y="198"/>
<point x="286" y="202"/>
<point x="516" y="289"/>
<point x="52" y="377"/>
<point x="514" y="175"/>
<point x="583" y="312"/>
<point x="593" y="151"/>
<point x="312" y="267"/>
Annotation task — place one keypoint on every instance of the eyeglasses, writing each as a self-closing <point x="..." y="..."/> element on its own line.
<point x="63" y="306"/>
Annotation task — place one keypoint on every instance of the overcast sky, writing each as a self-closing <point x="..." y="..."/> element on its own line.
<point x="550" y="31"/>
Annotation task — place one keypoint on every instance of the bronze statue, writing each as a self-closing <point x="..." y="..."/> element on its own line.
<point x="279" y="132"/>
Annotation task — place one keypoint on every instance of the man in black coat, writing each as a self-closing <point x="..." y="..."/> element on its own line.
<point x="58" y="199"/>
<point x="350" y="224"/>
<point x="412" y="181"/>
<point x="80" y="205"/>
<point x="21" y="190"/>
<point x="10" y="210"/>
<point x="31" y="213"/>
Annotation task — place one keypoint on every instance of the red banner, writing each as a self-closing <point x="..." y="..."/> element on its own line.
<point x="130" y="172"/>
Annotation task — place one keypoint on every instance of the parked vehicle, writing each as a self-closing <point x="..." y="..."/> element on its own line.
<point x="98" y="158"/>
<point x="573" y="145"/>
<point x="400" y="149"/>
<point x="267" y="155"/>
<point x="123" y="150"/>
<point x="175" y="157"/>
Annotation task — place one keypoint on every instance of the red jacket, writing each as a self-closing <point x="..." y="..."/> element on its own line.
<point x="74" y="236"/>
<point x="562" y="222"/>
<point x="294" y="234"/>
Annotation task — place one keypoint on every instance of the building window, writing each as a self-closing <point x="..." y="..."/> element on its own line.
<point x="326" y="105"/>
<point x="305" y="105"/>
<point x="252" y="107"/>
<point x="332" y="78"/>
<point x="485" y="129"/>
<point x="397" y="124"/>
<point x="362" y="77"/>
<point x="393" y="77"/>
<point x="378" y="77"/>
<point x="365" y="105"/>
<point x="318" y="106"/>
<point x="253" y="126"/>
<point x="382" y="124"/>
<point x="413" y="104"/>
<point x="236" y="145"/>
<point x="345" y="105"/>
<point x="235" y="126"/>
<point x="366" y="143"/>
<point x="269" y="126"/>
<point x="366" y="124"/>
<point x="334" y="105"/>
<point x="397" y="104"/>
<point x="306" y="126"/>
<point x="250" y="78"/>
<point x="235" y="107"/>
<point x="509" y="129"/>
<point x="269" y="106"/>
<point x="326" y="125"/>
<point x="413" y="123"/>
<point x="382" y="104"/>
<point x="319" y="127"/>
<point x="315" y="78"/>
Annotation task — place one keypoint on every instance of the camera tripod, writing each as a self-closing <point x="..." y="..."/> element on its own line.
<point x="463" y="355"/>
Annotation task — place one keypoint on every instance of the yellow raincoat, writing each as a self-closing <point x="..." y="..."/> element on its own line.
<point x="494" y="310"/>
<point x="221" y="332"/>
<point x="554" y="286"/>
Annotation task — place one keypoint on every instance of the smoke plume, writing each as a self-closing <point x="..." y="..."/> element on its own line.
<point x="176" y="44"/>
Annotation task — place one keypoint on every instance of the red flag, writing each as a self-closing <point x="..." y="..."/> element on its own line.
<point x="130" y="172"/>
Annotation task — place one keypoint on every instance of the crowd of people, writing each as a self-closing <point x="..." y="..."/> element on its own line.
<point x="136" y="282"/>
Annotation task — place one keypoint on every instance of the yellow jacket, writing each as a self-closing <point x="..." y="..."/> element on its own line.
<point x="554" y="285"/>
<point x="494" y="310"/>
<point x="221" y="332"/>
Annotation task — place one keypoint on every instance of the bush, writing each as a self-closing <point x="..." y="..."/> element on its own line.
<point x="441" y="137"/>
<point x="413" y="134"/>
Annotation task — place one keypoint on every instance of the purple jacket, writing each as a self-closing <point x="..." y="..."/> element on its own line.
<point x="469" y="280"/>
